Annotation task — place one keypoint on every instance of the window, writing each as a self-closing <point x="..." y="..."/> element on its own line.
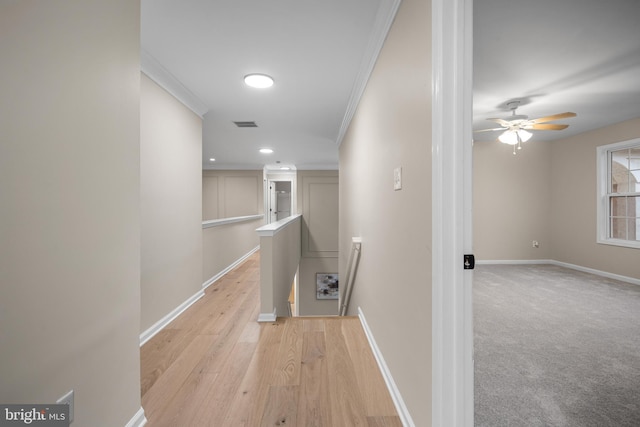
<point x="619" y="194"/>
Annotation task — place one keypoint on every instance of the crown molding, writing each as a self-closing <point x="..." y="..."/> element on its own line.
<point x="156" y="72"/>
<point x="384" y="18"/>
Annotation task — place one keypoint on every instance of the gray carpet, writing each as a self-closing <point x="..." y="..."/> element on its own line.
<point x="555" y="347"/>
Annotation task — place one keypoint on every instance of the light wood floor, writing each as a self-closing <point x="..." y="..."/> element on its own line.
<point x="216" y="366"/>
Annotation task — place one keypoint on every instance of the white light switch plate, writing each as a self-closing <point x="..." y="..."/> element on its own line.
<point x="397" y="179"/>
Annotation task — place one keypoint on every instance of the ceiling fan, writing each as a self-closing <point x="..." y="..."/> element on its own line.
<point x="516" y="127"/>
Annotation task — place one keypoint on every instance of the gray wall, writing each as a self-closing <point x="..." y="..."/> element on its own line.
<point x="70" y="209"/>
<point x="547" y="192"/>
<point x="392" y="128"/>
<point x="171" y="189"/>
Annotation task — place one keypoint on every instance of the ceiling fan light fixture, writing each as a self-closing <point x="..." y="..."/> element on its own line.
<point x="513" y="137"/>
<point x="508" y="137"/>
<point x="259" y="81"/>
<point x="524" y="135"/>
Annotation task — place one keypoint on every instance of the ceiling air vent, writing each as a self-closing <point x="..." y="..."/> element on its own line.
<point x="246" y="124"/>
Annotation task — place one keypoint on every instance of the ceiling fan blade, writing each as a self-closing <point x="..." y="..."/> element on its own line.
<point x="553" y="117"/>
<point x="488" y="130"/>
<point x="501" y="122"/>
<point x="546" y="126"/>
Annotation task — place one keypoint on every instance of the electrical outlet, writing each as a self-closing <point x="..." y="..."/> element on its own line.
<point x="68" y="400"/>
<point x="535" y="244"/>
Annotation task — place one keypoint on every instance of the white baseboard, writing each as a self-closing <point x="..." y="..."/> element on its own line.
<point x="138" y="420"/>
<point x="514" y="261"/>
<point x="403" y="412"/>
<point x="597" y="272"/>
<point x="160" y="324"/>
<point x="267" y="317"/>
<point x="601" y="273"/>
<point x="229" y="268"/>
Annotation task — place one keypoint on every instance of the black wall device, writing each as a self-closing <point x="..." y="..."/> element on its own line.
<point x="469" y="262"/>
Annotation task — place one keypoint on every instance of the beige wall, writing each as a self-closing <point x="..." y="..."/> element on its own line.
<point x="279" y="260"/>
<point x="69" y="215"/>
<point x="547" y="192"/>
<point x="223" y="245"/>
<point x="318" y="203"/>
<point x="171" y="208"/>
<point x="511" y="201"/>
<point x="227" y="194"/>
<point x="573" y="202"/>
<point x="392" y="128"/>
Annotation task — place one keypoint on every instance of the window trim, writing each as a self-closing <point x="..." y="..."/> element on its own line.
<point x="604" y="183"/>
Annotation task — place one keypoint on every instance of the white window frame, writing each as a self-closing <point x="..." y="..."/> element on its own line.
<point x="604" y="184"/>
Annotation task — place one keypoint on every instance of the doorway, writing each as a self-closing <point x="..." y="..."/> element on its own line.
<point x="279" y="204"/>
<point x="280" y="193"/>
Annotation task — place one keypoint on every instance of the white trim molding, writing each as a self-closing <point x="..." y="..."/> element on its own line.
<point x="403" y="412"/>
<point x="604" y="174"/>
<point x="513" y="261"/>
<point x="589" y="270"/>
<point x="384" y="18"/>
<point x="156" y="72"/>
<point x="239" y="261"/>
<point x="606" y="274"/>
<point x="138" y="420"/>
<point x="162" y="323"/>
<point x="224" y="221"/>
<point x="274" y="228"/>
<point x="451" y="152"/>
<point x="268" y="317"/>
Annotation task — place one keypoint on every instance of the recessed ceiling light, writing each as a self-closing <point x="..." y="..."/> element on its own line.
<point x="260" y="81"/>
<point x="212" y="159"/>
<point x="266" y="150"/>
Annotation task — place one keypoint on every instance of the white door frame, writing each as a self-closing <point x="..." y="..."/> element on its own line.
<point x="271" y="200"/>
<point x="452" y="329"/>
<point x="273" y="183"/>
<point x="269" y="180"/>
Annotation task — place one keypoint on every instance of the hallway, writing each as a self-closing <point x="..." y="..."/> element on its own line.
<point x="216" y="366"/>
